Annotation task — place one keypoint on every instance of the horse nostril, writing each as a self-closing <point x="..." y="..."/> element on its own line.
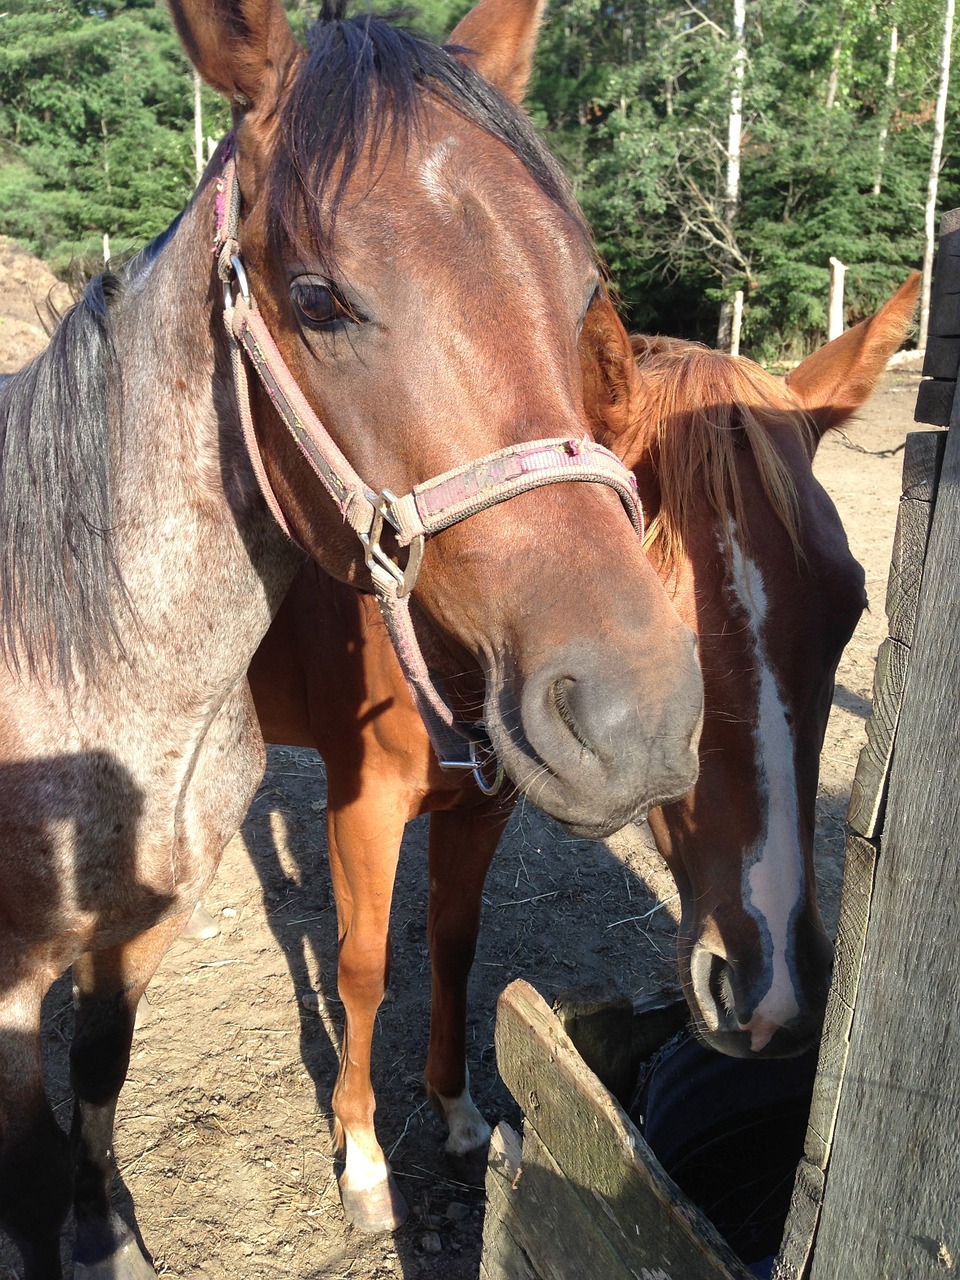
<point x="562" y="692"/>
<point x="719" y="984"/>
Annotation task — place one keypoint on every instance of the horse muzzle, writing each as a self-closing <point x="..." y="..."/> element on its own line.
<point x="738" y="1013"/>
<point x="590" y="740"/>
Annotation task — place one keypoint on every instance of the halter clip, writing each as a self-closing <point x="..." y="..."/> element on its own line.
<point x="377" y="560"/>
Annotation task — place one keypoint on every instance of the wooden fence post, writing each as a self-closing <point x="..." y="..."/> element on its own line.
<point x="877" y="1191"/>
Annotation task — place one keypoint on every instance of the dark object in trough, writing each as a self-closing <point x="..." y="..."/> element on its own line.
<point x="730" y="1133"/>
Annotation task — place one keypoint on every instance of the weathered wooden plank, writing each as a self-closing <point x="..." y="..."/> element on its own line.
<point x="557" y="1227"/>
<point x="895" y="1161"/>
<point x="615" y="1035"/>
<point x="935" y="398"/>
<point x="503" y="1255"/>
<point x="941" y="358"/>
<point x="946" y="273"/>
<point x="807" y="1198"/>
<point x="921" y="463"/>
<point x="801" y="1225"/>
<point x="922" y="458"/>
<point x="648" y="1219"/>
<point x="858" y="876"/>
<point x="869" y="789"/>
<point x="906" y="568"/>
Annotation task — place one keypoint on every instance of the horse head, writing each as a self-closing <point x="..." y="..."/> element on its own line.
<point x="758" y="564"/>
<point x="424" y="272"/>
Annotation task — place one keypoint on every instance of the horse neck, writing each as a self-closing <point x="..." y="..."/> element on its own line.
<point x="189" y="512"/>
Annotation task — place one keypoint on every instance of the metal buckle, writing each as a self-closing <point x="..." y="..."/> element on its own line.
<point x="376" y="558"/>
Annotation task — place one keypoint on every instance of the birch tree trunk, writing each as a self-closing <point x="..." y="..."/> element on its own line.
<point x="888" y="100"/>
<point x="197" y="125"/>
<point x="833" y="82"/>
<point x="935" y="158"/>
<point x="731" y="202"/>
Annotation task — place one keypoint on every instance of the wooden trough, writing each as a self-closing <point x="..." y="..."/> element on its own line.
<point x="877" y="1189"/>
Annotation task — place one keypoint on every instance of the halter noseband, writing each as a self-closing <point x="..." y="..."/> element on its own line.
<point x="428" y="508"/>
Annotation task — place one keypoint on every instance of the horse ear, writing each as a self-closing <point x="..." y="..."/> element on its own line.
<point x="835" y="381"/>
<point x="500" y="36"/>
<point x="242" y="48"/>
<point x="611" y="384"/>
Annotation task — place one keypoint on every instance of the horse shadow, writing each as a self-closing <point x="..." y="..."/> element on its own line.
<point x="93" y="804"/>
<point x="852" y="702"/>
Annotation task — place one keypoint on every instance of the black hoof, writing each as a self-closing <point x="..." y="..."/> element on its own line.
<point x="109" y="1251"/>
<point x="469" y="1167"/>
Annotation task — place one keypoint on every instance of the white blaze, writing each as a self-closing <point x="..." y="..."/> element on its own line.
<point x="773" y="878"/>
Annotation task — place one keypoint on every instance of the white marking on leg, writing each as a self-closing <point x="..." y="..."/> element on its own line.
<point x="467" y="1128"/>
<point x="773" y="875"/>
<point x="364" y="1168"/>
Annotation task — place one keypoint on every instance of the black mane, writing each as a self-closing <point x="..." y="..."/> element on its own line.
<point x="59" y="582"/>
<point x="363" y="81"/>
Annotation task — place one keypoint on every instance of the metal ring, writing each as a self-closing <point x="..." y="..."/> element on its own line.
<point x="242" y="282"/>
<point x="479" y="779"/>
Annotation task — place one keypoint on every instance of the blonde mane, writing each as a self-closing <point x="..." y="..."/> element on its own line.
<point x="707" y="408"/>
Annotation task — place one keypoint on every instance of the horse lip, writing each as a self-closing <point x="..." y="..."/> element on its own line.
<point x="738" y="1042"/>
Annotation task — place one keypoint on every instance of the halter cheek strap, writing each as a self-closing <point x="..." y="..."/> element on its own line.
<point x="428" y="508"/>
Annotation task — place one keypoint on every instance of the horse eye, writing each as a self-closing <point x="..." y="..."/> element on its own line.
<point x="318" y="306"/>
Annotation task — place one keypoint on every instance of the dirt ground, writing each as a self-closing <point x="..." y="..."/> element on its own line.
<point x="223" y="1134"/>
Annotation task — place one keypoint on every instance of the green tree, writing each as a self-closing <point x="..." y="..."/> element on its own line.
<point x="636" y="97"/>
<point x="95" y="125"/>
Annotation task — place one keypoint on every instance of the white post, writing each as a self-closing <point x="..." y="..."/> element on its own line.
<point x="835" y="313"/>
<point x="106" y="249"/>
<point x="736" y="322"/>
<point x="939" y="125"/>
<point x="731" y="195"/>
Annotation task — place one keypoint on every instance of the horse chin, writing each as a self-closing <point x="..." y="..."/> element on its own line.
<point x="576" y="807"/>
<point x="737" y="1042"/>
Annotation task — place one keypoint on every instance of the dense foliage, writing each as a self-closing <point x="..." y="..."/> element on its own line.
<point x="96" y="135"/>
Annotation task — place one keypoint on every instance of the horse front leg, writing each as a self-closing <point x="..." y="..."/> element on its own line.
<point x="462" y="845"/>
<point x="364" y="845"/>
<point x="107" y="986"/>
<point x="36" y="1173"/>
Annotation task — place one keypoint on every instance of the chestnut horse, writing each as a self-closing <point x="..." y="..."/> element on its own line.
<point x="398" y="256"/>
<point x="752" y="551"/>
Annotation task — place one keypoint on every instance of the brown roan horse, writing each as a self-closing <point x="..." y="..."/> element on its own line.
<point x="754" y="556"/>
<point x="424" y="273"/>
